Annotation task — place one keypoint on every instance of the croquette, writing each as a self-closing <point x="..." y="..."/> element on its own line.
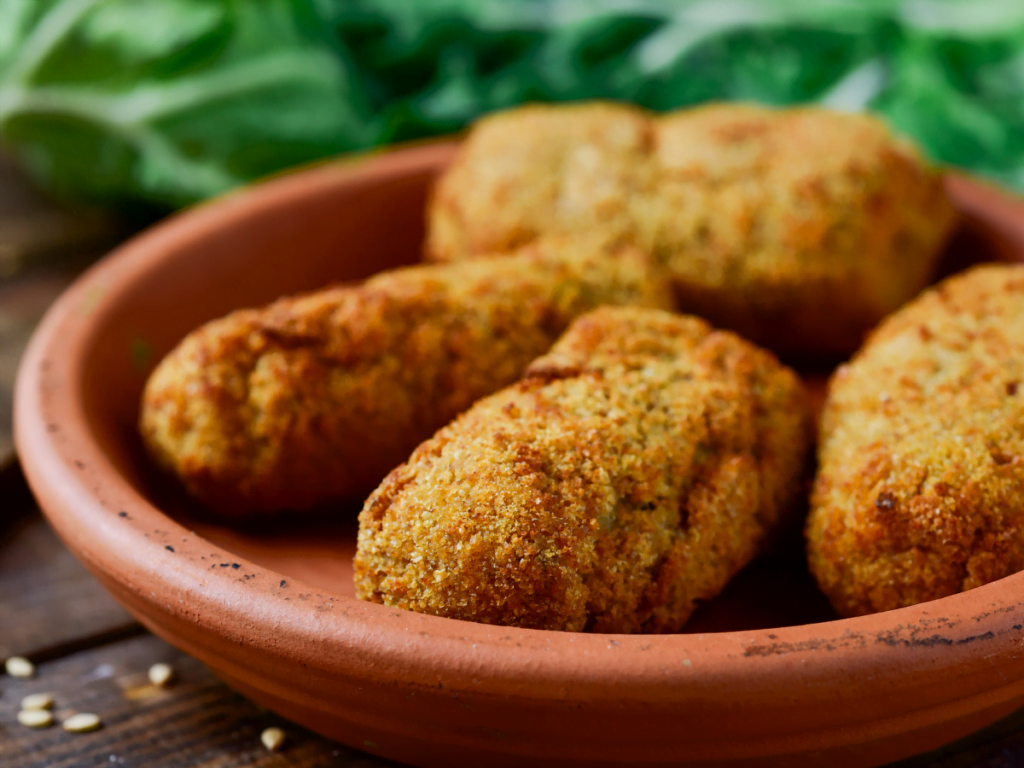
<point x="798" y="228"/>
<point x="316" y="398"/>
<point x="630" y="473"/>
<point x="921" y="481"/>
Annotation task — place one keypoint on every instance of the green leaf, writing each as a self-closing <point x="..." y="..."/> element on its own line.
<point x="165" y="102"/>
<point x="142" y="30"/>
<point x="170" y="101"/>
<point x="952" y="126"/>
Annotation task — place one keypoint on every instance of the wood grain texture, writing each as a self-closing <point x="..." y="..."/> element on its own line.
<point x="23" y="301"/>
<point x="35" y="230"/>
<point x="196" y="723"/>
<point x="43" y="246"/>
<point x="49" y="604"/>
<point x="55" y="602"/>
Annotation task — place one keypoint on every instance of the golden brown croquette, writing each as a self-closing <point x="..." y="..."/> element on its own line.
<point x="921" y="481"/>
<point x="316" y="397"/>
<point x="799" y="228"/>
<point x="632" y="471"/>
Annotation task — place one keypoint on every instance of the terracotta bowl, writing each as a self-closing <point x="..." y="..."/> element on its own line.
<point x="766" y="674"/>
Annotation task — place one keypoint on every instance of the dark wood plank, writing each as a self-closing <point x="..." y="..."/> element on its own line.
<point x="23" y="301"/>
<point x="196" y="723"/>
<point x="57" y="604"/>
<point x="52" y="602"/>
<point x="35" y="230"/>
<point x="43" y="246"/>
<point x="49" y="604"/>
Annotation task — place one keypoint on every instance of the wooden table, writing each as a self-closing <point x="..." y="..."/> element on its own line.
<point x="90" y="654"/>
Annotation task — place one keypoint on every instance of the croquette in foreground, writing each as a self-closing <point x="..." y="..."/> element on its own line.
<point x="920" y="492"/>
<point x="317" y="397"/>
<point x="799" y="228"/>
<point x="632" y="471"/>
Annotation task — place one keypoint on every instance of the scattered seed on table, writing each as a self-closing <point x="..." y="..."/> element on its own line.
<point x="37" y="701"/>
<point x="35" y="718"/>
<point x="82" y="722"/>
<point x="273" y="739"/>
<point x="161" y="675"/>
<point x="17" y="666"/>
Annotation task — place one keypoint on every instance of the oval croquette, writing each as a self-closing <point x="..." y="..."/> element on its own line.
<point x="920" y="491"/>
<point x="799" y="228"/>
<point x="316" y="398"/>
<point x="630" y="473"/>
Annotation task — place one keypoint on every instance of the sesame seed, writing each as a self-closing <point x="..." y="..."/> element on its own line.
<point x="17" y="666"/>
<point x="37" y="701"/>
<point x="161" y="675"/>
<point x="35" y="718"/>
<point x="82" y="722"/>
<point x="273" y="739"/>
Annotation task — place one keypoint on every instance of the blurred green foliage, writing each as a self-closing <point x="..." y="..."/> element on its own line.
<point x="160" y="103"/>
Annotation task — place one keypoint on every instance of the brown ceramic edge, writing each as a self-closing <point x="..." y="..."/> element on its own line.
<point x="986" y="201"/>
<point x="614" y="669"/>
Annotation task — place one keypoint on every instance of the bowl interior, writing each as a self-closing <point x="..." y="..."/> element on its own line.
<point x="328" y="228"/>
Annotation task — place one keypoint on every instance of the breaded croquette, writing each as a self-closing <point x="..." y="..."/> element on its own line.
<point x="631" y="472"/>
<point x="526" y="172"/>
<point x="921" y="480"/>
<point x="316" y="398"/>
<point x="799" y="228"/>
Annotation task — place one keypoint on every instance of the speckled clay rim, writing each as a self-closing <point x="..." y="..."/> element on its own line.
<point x="954" y="655"/>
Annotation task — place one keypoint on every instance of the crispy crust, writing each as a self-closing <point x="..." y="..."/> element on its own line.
<point x="317" y="397"/>
<point x="630" y="473"/>
<point x="922" y="451"/>
<point x="799" y="228"/>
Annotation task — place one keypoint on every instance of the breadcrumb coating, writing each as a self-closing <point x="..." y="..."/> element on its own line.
<point x="317" y="397"/>
<point x="799" y="228"/>
<point x="631" y="472"/>
<point x="921" y="480"/>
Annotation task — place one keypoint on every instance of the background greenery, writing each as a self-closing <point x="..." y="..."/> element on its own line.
<point x="158" y="103"/>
